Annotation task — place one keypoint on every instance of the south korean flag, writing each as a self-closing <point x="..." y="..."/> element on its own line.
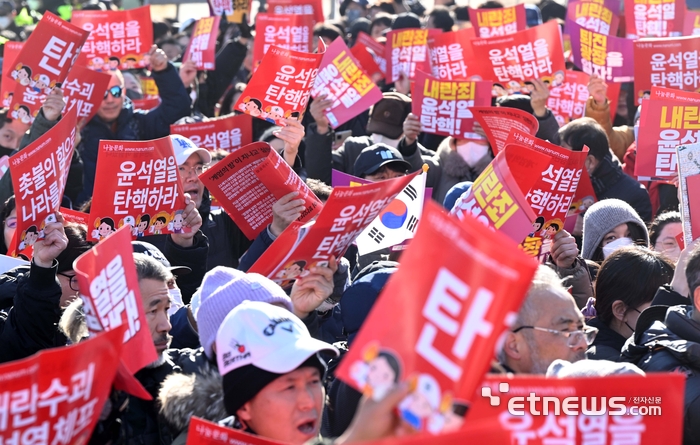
<point x="397" y="222"/>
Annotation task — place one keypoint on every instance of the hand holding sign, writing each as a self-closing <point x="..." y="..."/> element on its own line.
<point x="411" y="128"/>
<point x="188" y="72"/>
<point x="190" y="218"/>
<point x="598" y="89"/>
<point x="320" y="104"/>
<point x="285" y="211"/>
<point x="159" y="61"/>
<point x="309" y="291"/>
<point x="538" y="98"/>
<point x="53" y="105"/>
<point x="54" y="242"/>
<point x="292" y="133"/>
<point x="564" y="250"/>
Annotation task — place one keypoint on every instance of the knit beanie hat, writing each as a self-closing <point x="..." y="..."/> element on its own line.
<point x="604" y="216"/>
<point x="224" y="288"/>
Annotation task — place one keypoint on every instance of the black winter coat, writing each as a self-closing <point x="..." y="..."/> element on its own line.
<point x="607" y="345"/>
<point x="609" y="181"/>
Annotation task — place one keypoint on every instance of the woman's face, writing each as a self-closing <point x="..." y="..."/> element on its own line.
<point x="10" y="225"/>
<point x="666" y="242"/>
<point x="378" y="30"/>
<point x="621" y="231"/>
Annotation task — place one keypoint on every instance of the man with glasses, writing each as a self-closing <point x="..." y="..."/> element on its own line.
<point x="117" y="120"/>
<point x="549" y="326"/>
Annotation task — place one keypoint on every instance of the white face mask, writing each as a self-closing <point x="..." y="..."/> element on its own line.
<point x="175" y="301"/>
<point x="381" y="139"/>
<point x="608" y="249"/>
<point x="5" y="22"/>
<point x="472" y="152"/>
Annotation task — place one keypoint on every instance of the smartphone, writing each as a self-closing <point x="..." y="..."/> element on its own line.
<point x="340" y="137"/>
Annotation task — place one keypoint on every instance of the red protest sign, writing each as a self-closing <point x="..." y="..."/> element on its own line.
<point x="56" y="396"/>
<point x="342" y="80"/>
<point x="146" y="104"/>
<point x="651" y="18"/>
<point x="447" y="351"/>
<point x="288" y="31"/>
<point x="7" y="86"/>
<point x="552" y="194"/>
<point x="605" y="410"/>
<point x="450" y="52"/>
<point x="297" y="7"/>
<point x="111" y="297"/>
<point x="692" y="187"/>
<point x="596" y="16"/>
<point x="203" y="432"/>
<point x="443" y="106"/>
<point x="663" y="125"/>
<point x="226" y="133"/>
<point x="42" y="63"/>
<point x="281" y="87"/>
<point x="498" y="22"/>
<point x="669" y="62"/>
<point x="375" y="48"/>
<point x="74" y="216"/>
<point x="661" y="93"/>
<point x="497" y="122"/>
<point x="140" y="182"/>
<point x="691" y="24"/>
<point x="497" y="197"/>
<point x="202" y="46"/>
<point x="348" y="211"/>
<point x="584" y="197"/>
<point x="535" y="53"/>
<point x="39" y="174"/>
<point x="84" y="90"/>
<point x="567" y="101"/>
<point x="367" y="62"/>
<point x="118" y="39"/>
<point x="250" y="180"/>
<point x="406" y="52"/>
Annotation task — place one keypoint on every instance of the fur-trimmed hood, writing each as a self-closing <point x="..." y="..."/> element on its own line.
<point x="182" y="396"/>
<point x="454" y="166"/>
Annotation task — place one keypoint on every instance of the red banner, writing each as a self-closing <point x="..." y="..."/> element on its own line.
<point x="498" y="22"/>
<point x="450" y="52"/>
<point x="111" y="297"/>
<point x="219" y="7"/>
<point x="666" y="63"/>
<point x="202" y="47"/>
<point x="535" y="53"/>
<point x="665" y="124"/>
<point x="343" y="81"/>
<point x="118" y="39"/>
<point x="348" y="211"/>
<point x="288" y="31"/>
<point x="74" y="216"/>
<point x="497" y="123"/>
<point x="281" y="87"/>
<point x="39" y="174"/>
<point x="138" y="179"/>
<point x="376" y="49"/>
<point x="691" y="24"/>
<point x="42" y="63"/>
<point x="567" y="101"/>
<point x="456" y="316"/>
<point x="7" y="86"/>
<point x="84" y="90"/>
<point x="203" y="432"/>
<point x="497" y="197"/>
<point x="250" y="180"/>
<point x="536" y="410"/>
<point x="226" y="133"/>
<point x="297" y="7"/>
<point x="654" y="18"/>
<point x="57" y="395"/>
<point x="146" y="104"/>
<point x="594" y="16"/>
<point x="406" y="52"/>
<point x="366" y="60"/>
<point x="443" y="106"/>
<point x="552" y="194"/>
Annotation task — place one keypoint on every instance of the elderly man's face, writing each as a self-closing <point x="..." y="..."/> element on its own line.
<point x="111" y="106"/>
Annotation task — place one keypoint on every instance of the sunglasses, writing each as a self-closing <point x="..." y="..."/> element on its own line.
<point x="115" y="91"/>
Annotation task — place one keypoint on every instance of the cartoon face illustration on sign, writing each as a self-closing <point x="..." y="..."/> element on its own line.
<point x="377" y="372"/>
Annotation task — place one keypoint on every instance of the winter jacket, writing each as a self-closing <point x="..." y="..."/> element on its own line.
<point x="619" y="137"/>
<point x="673" y="346"/>
<point x="549" y="128"/>
<point x="447" y="169"/>
<point x="579" y="278"/>
<point x="228" y="61"/>
<point x="30" y="324"/>
<point x="74" y="183"/>
<point x="321" y="159"/>
<point x="134" y="125"/>
<point x="184" y="335"/>
<point x="607" y="345"/>
<point x="609" y="181"/>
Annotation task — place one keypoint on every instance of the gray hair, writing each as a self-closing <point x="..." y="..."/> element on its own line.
<point x="72" y="323"/>
<point x="149" y="268"/>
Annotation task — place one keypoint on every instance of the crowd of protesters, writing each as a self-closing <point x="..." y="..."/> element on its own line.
<point x="617" y="289"/>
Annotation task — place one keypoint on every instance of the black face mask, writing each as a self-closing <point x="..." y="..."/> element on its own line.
<point x="133" y="95"/>
<point x="5" y="151"/>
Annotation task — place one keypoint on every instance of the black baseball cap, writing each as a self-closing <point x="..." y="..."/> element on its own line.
<point x="156" y="254"/>
<point x="377" y="156"/>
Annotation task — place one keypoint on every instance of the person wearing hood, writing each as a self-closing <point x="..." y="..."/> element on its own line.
<point x="672" y="344"/>
<point x="117" y="120"/>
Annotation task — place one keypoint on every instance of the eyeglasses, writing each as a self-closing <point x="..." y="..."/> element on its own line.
<point x="115" y="91"/>
<point x="198" y="169"/>
<point x="588" y="333"/>
<point x="11" y="223"/>
<point x="72" y="281"/>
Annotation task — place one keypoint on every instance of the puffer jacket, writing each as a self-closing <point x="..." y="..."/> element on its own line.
<point x="672" y="346"/>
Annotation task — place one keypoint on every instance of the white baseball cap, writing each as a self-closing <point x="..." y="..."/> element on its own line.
<point x="268" y="337"/>
<point x="184" y="148"/>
